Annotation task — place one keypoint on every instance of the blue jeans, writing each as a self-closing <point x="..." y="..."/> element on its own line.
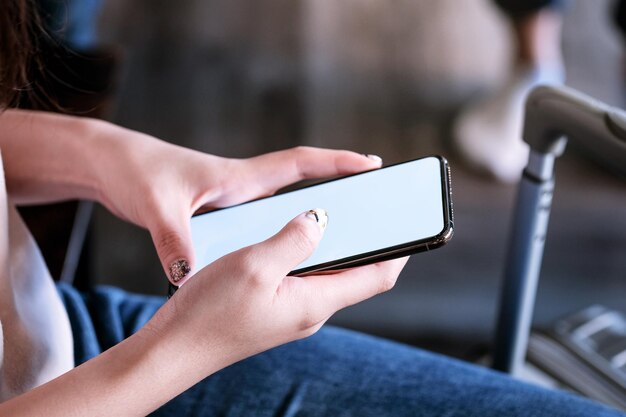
<point x="333" y="373"/>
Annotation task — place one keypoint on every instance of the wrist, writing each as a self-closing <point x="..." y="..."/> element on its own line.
<point x="115" y="155"/>
<point x="98" y="136"/>
<point x="179" y="355"/>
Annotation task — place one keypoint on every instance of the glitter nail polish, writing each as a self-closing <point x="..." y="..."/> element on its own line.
<point x="179" y="269"/>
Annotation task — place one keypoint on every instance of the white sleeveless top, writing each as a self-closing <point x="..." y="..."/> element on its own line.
<point x="35" y="334"/>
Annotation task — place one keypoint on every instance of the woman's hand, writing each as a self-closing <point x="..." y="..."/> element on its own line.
<point x="159" y="186"/>
<point x="239" y="305"/>
<point x="154" y="184"/>
<point x="245" y="303"/>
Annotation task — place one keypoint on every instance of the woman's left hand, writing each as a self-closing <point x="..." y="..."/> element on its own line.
<point x="159" y="186"/>
<point x="154" y="184"/>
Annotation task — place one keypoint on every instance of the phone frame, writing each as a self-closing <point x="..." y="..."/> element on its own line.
<point x="388" y="253"/>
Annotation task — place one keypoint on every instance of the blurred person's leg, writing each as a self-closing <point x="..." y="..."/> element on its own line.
<point x="488" y="133"/>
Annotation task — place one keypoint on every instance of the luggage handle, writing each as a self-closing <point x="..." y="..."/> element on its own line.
<point x="553" y="116"/>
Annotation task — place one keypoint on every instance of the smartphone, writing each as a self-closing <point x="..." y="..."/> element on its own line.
<point x="372" y="216"/>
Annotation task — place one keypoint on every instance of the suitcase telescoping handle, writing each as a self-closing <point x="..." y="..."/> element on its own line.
<point x="554" y="116"/>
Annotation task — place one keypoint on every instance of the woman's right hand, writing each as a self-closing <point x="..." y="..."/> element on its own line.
<point x="239" y="305"/>
<point x="245" y="303"/>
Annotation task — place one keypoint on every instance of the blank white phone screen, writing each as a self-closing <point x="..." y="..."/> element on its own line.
<point x="378" y="209"/>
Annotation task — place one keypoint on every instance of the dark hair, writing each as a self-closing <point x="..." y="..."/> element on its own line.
<point x="21" y="32"/>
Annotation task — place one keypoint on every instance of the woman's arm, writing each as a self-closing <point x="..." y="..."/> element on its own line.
<point x="50" y="157"/>
<point x="238" y="306"/>
<point x="131" y="379"/>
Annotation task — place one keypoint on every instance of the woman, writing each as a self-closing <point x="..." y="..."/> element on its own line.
<point x="136" y="354"/>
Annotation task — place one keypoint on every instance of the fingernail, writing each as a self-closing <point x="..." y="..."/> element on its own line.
<point x="374" y="158"/>
<point x="320" y="216"/>
<point x="179" y="269"/>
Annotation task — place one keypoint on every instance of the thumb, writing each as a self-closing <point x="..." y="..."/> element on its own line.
<point x="294" y="243"/>
<point x="172" y="240"/>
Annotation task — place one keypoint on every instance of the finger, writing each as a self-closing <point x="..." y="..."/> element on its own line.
<point x="172" y="240"/>
<point x="278" y="169"/>
<point x="292" y="245"/>
<point x="330" y="293"/>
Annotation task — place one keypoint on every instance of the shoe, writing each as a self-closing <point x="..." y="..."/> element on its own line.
<point x="488" y="134"/>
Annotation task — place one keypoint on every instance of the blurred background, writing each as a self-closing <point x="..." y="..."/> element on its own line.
<point x="239" y="78"/>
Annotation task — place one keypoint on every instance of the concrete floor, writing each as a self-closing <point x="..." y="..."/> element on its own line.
<point x="236" y="80"/>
